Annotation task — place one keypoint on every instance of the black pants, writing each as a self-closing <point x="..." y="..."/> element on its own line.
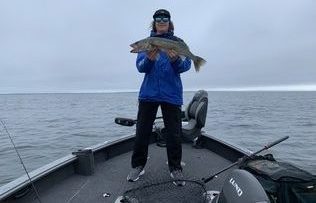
<point x="172" y="120"/>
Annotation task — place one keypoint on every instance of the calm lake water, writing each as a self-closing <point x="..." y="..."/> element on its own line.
<point x="46" y="127"/>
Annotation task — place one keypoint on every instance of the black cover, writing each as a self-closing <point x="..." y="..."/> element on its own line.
<point x="242" y="187"/>
<point x="282" y="181"/>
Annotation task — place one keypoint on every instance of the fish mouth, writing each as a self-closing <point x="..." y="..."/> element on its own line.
<point x="133" y="51"/>
<point x="135" y="48"/>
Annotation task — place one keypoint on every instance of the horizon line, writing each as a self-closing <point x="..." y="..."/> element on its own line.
<point x="288" y="88"/>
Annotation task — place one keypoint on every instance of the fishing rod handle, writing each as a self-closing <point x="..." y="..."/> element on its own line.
<point x="277" y="141"/>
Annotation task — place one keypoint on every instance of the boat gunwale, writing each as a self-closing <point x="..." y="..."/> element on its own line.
<point x="23" y="181"/>
<point x="38" y="174"/>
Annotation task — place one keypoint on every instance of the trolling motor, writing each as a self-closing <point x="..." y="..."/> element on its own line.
<point x="128" y="121"/>
<point x="125" y="121"/>
<point x="160" y="140"/>
<point x="240" y="186"/>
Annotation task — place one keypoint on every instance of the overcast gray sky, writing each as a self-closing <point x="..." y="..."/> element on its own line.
<point x="83" y="45"/>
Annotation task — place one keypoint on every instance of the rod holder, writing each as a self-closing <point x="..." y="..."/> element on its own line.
<point x="85" y="164"/>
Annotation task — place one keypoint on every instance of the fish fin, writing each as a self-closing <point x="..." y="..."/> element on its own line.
<point x="198" y="62"/>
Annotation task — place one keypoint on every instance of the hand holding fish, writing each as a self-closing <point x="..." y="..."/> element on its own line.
<point x="172" y="55"/>
<point x="152" y="54"/>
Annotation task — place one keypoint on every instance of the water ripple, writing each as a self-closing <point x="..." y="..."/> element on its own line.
<point x="46" y="127"/>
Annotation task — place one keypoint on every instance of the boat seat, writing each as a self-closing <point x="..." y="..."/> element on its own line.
<point x="194" y="118"/>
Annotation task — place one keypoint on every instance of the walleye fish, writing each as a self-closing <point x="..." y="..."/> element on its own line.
<point x="179" y="47"/>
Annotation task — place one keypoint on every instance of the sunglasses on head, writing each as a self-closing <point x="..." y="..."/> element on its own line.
<point x="161" y="20"/>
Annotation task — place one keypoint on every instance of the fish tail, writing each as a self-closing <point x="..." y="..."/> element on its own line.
<point x="198" y="62"/>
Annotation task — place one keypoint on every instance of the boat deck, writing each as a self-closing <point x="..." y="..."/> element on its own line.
<point x="110" y="176"/>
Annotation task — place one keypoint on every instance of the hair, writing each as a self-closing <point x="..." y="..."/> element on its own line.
<point x="170" y="29"/>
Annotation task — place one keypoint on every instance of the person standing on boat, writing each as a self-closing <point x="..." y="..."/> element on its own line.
<point x="162" y="87"/>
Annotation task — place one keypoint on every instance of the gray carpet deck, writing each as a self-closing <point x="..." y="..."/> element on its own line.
<point x="110" y="176"/>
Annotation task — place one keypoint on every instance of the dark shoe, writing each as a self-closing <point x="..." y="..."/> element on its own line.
<point x="135" y="173"/>
<point x="178" y="178"/>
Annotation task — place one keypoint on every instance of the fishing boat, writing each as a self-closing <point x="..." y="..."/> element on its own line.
<point x="214" y="171"/>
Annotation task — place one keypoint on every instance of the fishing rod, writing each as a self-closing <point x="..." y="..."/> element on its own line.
<point x="17" y="152"/>
<point x="205" y="180"/>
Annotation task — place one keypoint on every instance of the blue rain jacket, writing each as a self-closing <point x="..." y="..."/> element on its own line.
<point x="162" y="82"/>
